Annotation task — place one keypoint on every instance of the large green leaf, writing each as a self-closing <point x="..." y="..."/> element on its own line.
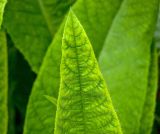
<point x="32" y="24"/>
<point x="3" y="84"/>
<point x="125" y="60"/>
<point x="47" y="82"/>
<point x="84" y="104"/>
<point x="150" y="99"/>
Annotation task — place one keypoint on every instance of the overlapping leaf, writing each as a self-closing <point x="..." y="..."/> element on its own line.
<point x="32" y="24"/>
<point x="47" y="82"/>
<point x="125" y="60"/>
<point x="84" y="104"/>
<point x="150" y="99"/>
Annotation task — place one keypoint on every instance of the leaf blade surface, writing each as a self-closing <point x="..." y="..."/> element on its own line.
<point x="3" y="84"/>
<point x="148" y="114"/>
<point x="126" y="55"/>
<point x="33" y="24"/>
<point x="47" y="82"/>
<point x="84" y="104"/>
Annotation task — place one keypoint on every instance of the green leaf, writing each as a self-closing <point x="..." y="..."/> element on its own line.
<point x="51" y="99"/>
<point x="84" y="104"/>
<point x="37" y="119"/>
<point x="150" y="99"/>
<point x="157" y="32"/>
<point x="2" y="6"/>
<point x="3" y="84"/>
<point x="97" y="17"/>
<point x="125" y="60"/>
<point x="3" y="75"/>
<point x="48" y="79"/>
<point x="32" y="24"/>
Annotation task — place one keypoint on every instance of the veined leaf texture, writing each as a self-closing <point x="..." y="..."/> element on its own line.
<point x="84" y="104"/>
<point x="136" y="45"/>
<point x="120" y="31"/>
<point x="48" y="79"/>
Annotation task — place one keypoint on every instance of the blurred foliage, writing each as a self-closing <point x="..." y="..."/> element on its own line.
<point x="21" y="79"/>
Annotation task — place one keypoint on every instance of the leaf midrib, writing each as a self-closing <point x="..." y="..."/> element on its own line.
<point x="79" y="76"/>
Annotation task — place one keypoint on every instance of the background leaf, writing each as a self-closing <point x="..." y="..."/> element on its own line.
<point x="157" y="33"/>
<point x="32" y="24"/>
<point x="125" y="60"/>
<point x="156" y="127"/>
<point x="147" y="118"/>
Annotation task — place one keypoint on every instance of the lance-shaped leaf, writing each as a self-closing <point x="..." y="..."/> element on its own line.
<point x="125" y="60"/>
<point x="84" y="104"/>
<point x="32" y="24"/>
<point x="3" y="84"/>
<point x="47" y="82"/>
<point x="150" y="99"/>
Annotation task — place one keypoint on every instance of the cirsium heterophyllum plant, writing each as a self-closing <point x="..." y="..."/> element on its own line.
<point x="34" y="95"/>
